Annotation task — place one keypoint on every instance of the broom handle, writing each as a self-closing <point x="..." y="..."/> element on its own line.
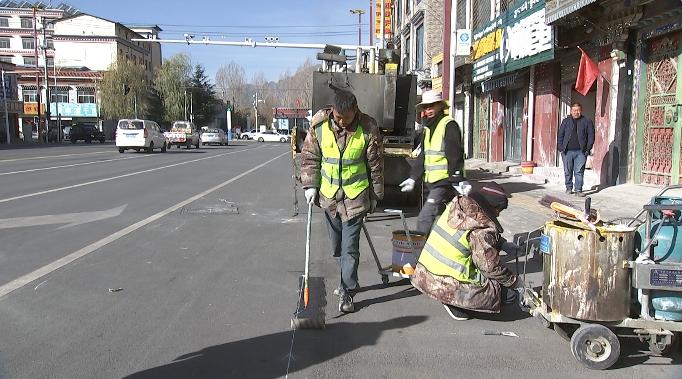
<point x="307" y="240"/>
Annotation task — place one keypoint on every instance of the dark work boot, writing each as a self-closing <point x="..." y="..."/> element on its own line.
<point x="456" y="313"/>
<point x="569" y="191"/>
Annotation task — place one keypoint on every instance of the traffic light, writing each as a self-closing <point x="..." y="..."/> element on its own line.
<point x="126" y="89"/>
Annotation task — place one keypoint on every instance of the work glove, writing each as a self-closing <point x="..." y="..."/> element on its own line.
<point x="511" y="248"/>
<point x="372" y="205"/>
<point x="407" y="185"/>
<point x="310" y="195"/>
<point x="463" y="187"/>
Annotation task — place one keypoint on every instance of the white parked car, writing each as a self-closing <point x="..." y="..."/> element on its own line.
<point x="270" y="136"/>
<point x="214" y="136"/>
<point x="139" y="135"/>
<point x="249" y="134"/>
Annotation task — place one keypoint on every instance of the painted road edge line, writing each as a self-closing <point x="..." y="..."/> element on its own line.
<point x="71" y="165"/>
<point x="61" y="262"/>
<point x="119" y="176"/>
<point x="54" y="156"/>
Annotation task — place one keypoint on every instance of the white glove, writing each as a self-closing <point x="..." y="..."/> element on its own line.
<point x="407" y="185"/>
<point x="463" y="187"/>
<point x="310" y="195"/>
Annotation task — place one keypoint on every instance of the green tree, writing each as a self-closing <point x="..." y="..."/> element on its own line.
<point x="124" y="75"/>
<point x="203" y="98"/>
<point x="171" y="81"/>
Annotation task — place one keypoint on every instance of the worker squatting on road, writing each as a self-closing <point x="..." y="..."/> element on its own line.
<point x="440" y="162"/>
<point x="342" y="171"/>
<point x="460" y="264"/>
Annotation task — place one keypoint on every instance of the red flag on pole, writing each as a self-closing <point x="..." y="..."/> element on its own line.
<point x="587" y="73"/>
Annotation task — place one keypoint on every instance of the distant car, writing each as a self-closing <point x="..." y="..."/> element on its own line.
<point x="139" y="135"/>
<point x="183" y="133"/>
<point x="270" y="136"/>
<point x="53" y="137"/>
<point x="214" y="136"/>
<point x="86" y="132"/>
<point x="249" y="134"/>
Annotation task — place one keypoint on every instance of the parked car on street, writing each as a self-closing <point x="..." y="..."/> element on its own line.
<point x="214" y="136"/>
<point x="183" y="133"/>
<point x="249" y="134"/>
<point x="86" y="132"/>
<point x="270" y="136"/>
<point x="52" y="135"/>
<point x="139" y="135"/>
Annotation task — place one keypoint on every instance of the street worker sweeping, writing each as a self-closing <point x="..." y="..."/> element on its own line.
<point x="460" y="264"/>
<point x="440" y="162"/>
<point x="342" y="170"/>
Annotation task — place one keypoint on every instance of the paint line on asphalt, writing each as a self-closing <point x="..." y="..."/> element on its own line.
<point x="116" y="177"/>
<point x="55" y="156"/>
<point x="59" y="263"/>
<point x="70" y="165"/>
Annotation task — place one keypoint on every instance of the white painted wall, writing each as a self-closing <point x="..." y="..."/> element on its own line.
<point x="96" y="56"/>
<point x="85" y="25"/>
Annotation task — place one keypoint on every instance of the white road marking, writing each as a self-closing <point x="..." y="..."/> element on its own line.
<point x="55" y="156"/>
<point x="115" y="177"/>
<point x="71" y="219"/>
<point x="70" y="165"/>
<point x="59" y="263"/>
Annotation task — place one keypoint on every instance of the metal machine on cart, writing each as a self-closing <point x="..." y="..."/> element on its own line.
<point x="609" y="281"/>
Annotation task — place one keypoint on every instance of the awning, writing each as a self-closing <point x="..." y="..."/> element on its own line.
<point x="562" y="8"/>
<point x="503" y="81"/>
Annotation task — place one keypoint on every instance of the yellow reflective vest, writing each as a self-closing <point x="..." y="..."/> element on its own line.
<point x="447" y="253"/>
<point x="435" y="161"/>
<point x="347" y="171"/>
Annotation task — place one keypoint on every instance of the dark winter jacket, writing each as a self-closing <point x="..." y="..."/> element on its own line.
<point x="585" y="129"/>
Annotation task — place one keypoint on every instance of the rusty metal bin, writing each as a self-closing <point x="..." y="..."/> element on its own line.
<point x="584" y="275"/>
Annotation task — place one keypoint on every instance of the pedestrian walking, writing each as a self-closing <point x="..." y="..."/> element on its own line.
<point x="342" y="170"/>
<point x="440" y="162"/>
<point x="575" y="140"/>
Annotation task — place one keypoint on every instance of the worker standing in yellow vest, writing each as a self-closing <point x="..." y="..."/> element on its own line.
<point x="460" y="263"/>
<point x="440" y="162"/>
<point x="342" y="171"/>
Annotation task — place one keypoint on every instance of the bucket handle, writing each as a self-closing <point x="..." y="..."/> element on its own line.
<point x="402" y="217"/>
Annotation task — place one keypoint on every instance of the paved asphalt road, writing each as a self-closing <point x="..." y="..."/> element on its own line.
<point x="186" y="265"/>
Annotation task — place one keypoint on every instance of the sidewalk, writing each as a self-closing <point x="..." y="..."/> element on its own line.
<point x="624" y="200"/>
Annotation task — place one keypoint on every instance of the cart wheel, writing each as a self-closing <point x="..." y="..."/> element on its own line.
<point x="663" y="348"/>
<point x="595" y="346"/>
<point x="384" y="279"/>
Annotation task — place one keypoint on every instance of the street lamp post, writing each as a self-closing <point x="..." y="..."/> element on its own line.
<point x="359" y="12"/>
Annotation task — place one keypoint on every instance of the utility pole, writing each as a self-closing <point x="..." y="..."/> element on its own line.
<point x="191" y="106"/>
<point x="37" y="71"/>
<point x="185" y="104"/>
<point x="383" y="25"/>
<point x="255" y="108"/>
<point x="47" y="84"/>
<point x="359" y="12"/>
<point x="371" y="23"/>
<point x="4" y="99"/>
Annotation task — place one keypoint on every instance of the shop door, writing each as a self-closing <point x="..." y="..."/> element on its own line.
<point x="513" y="126"/>
<point x="659" y="137"/>
<point x="483" y="123"/>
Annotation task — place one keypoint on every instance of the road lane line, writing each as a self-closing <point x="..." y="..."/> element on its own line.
<point x="59" y="263"/>
<point x="55" y="156"/>
<point x="70" y="165"/>
<point x="116" y="177"/>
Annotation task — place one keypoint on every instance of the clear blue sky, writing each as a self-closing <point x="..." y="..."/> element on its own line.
<point x="309" y="21"/>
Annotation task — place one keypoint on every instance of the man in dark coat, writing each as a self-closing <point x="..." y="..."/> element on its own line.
<point x="575" y="140"/>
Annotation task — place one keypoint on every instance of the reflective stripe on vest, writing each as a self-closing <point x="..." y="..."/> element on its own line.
<point x="435" y="161"/>
<point x="348" y="171"/>
<point x="447" y="252"/>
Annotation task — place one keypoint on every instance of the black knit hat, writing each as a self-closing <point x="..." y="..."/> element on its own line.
<point x="494" y="195"/>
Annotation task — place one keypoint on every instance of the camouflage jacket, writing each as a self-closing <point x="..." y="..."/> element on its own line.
<point x="311" y="158"/>
<point x="484" y="242"/>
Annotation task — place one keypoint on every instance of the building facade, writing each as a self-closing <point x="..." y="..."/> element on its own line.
<point x="10" y="105"/>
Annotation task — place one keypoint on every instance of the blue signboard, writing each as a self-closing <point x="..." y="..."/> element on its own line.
<point x="545" y="244"/>
<point x="73" y="109"/>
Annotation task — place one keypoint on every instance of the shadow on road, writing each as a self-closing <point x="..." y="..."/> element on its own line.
<point x="267" y="356"/>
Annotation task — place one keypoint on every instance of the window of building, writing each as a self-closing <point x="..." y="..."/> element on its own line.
<point x="6" y="58"/>
<point x="59" y="95"/>
<point x="28" y="43"/>
<point x="49" y="43"/>
<point x="419" y="48"/>
<point x="480" y="13"/>
<point x="27" y="23"/>
<point x="4" y="43"/>
<point x="4" y="22"/>
<point x="30" y="96"/>
<point x="86" y="95"/>
<point x="29" y="61"/>
<point x="407" y="63"/>
<point x="49" y="24"/>
<point x="50" y="62"/>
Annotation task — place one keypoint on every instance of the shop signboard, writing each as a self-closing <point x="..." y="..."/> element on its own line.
<point x="516" y="39"/>
<point x="73" y="109"/>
